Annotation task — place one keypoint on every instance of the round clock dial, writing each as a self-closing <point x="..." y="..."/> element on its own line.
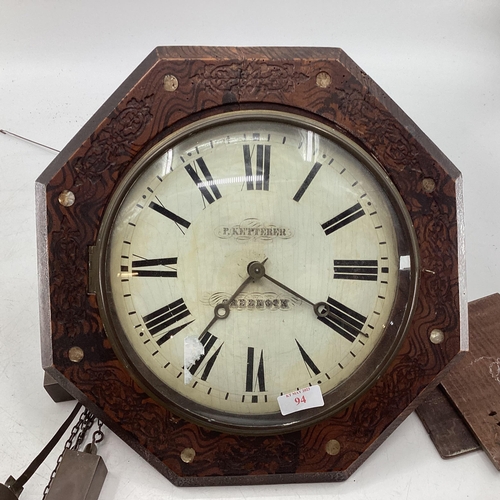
<point x="251" y="255"/>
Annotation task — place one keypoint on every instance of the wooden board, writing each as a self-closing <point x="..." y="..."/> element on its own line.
<point x="474" y="383"/>
<point x="445" y="425"/>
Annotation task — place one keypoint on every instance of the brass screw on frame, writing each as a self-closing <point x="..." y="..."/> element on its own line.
<point x="436" y="336"/>
<point x="187" y="455"/>
<point x="67" y="198"/>
<point x="170" y="83"/>
<point x="323" y="79"/>
<point x="332" y="447"/>
<point x="76" y="354"/>
<point x="428" y="185"/>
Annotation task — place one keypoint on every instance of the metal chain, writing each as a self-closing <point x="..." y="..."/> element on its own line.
<point x="84" y="424"/>
<point x="75" y="430"/>
<point x="98" y="435"/>
<point x="87" y="421"/>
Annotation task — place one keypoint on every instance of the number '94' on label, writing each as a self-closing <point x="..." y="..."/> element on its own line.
<point x="302" y="399"/>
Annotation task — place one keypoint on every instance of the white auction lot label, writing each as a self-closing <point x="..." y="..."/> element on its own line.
<point x="309" y="397"/>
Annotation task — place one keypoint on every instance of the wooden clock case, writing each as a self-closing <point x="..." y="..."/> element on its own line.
<point x="173" y="87"/>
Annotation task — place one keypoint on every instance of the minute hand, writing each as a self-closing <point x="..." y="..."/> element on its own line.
<point x="321" y="309"/>
<point x="289" y="290"/>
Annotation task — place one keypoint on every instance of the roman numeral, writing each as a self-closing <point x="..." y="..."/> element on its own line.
<point x="345" y="321"/>
<point x="310" y="176"/>
<point x="364" y="270"/>
<point x="263" y="167"/>
<point x="169" y="215"/>
<point x="344" y="218"/>
<point x="170" y="333"/>
<point x="158" y="321"/>
<point x="310" y="365"/>
<point x="208" y="188"/>
<point x="208" y="340"/>
<point x="253" y="381"/>
<point x="138" y="265"/>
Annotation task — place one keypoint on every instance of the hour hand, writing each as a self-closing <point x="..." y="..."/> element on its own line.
<point x="255" y="270"/>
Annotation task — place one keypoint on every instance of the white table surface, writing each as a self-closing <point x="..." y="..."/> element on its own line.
<point x="59" y="61"/>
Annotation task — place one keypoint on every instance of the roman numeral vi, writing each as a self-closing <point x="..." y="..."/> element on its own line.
<point x="254" y="381"/>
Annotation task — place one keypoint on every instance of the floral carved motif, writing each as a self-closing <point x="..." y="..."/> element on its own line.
<point x="110" y="147"/>
<point x="69" y="278"/>
<point x="384" y="133"/>
<point x="250" y="78"/>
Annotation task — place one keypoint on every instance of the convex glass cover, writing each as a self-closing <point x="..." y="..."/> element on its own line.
<point x="251" y="255"/>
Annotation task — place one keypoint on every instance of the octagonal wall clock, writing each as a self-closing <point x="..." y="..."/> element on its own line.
<point x="251" y="264"/>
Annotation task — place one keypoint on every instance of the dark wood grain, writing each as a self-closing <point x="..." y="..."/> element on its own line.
<point x="474" y="383"/>
<point x="140" y="113"/>
<point x="445" y="425"/>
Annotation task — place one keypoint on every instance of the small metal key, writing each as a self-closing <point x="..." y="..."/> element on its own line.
<point x="80" y="475"/>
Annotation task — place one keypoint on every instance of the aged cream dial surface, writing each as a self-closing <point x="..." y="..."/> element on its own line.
<point x="329" y="232"/>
